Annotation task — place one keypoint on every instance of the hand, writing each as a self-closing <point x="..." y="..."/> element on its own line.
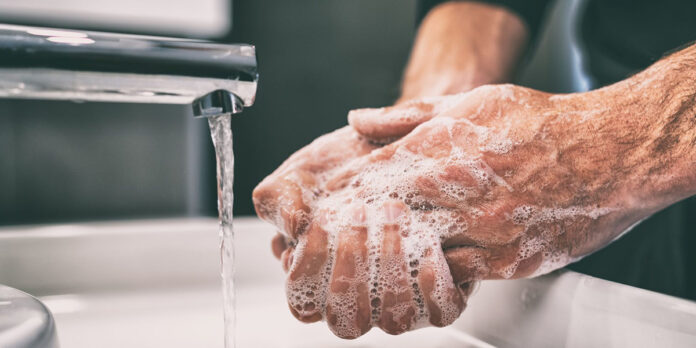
<point x="535" y="180"/>
<point x="507" y="181"/>
<point x="309" y="245"/>
<point x="478" y="184"/>
<point x="284" y="197"/>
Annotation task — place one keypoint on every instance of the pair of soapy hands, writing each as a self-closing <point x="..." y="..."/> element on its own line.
<point x="392" y="220"/>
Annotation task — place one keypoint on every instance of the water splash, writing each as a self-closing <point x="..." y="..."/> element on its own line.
<point x="221" y="132"/>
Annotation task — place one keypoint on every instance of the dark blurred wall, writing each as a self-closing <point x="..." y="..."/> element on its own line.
<point x="317" y="60"/>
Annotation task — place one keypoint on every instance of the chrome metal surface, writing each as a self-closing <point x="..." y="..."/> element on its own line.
<point x="44" y="63"/>
<point x="24" y="321"/>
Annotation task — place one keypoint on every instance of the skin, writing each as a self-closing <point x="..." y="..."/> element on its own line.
<point x="391" y="221"/>
<point x="460" y="46"/>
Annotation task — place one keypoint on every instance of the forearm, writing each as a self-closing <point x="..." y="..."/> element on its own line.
<point x="664" y="97"/>
<point x="637" y="146"/>
<point x="462" y="45"/>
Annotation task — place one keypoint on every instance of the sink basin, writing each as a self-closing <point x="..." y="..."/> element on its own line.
<point x="156" y="284"/>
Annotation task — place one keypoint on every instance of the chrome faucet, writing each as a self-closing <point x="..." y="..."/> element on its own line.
<point x="43" y="63"/>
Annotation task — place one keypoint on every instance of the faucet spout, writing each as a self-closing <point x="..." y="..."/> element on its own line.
<point x="43" y="63"/>
<point x="217" y="103"/>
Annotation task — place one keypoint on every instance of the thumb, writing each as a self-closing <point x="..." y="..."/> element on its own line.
<point x="391" y="122"/>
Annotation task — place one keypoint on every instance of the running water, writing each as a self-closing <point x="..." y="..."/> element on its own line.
<point x="221" y="132"/>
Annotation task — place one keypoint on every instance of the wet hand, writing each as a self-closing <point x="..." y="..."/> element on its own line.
<point x="516" y="182"/>
<point x="284" y="198"/>
<point x="500" y="182"/>
<point x="348" y="264"/>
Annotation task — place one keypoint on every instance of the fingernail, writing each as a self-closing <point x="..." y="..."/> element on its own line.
<point x="287" y="258"/>
<point x="392" y="211"/>
<point x="359" y="215"/>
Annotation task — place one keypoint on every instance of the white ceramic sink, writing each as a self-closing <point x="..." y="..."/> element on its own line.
<point x="155" y="284"/>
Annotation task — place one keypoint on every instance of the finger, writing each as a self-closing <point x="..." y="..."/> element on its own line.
<point x="287" y="258"/>
<point x="307" y="278"/>
<point x="279" y="201"/>
<point x="467" y="264"/>
<point x="394" y="121"/>
<point x="342" y="178"/>
<point x="446" y="194"/>
<point x="397" y="305"/>
<point x="510" y="261"/>
<point x="349" y="173"/>
<point x="348" y="302"/>
<point x="443" y="301"/>
<point x="466" y="289"/>
<point x="529" y="265"/>
<point x="278" y="245"/>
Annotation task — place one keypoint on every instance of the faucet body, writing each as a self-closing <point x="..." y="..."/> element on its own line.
<point x="42" y="63"/>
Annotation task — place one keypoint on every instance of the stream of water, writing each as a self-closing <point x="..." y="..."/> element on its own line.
<point x="221" y="132"/>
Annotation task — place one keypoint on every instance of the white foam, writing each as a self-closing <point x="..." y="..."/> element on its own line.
<point x="532" y="216"/>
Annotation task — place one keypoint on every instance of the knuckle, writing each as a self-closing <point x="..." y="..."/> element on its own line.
<point x="264" y="199"/>
<point x="278" y="245"/>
